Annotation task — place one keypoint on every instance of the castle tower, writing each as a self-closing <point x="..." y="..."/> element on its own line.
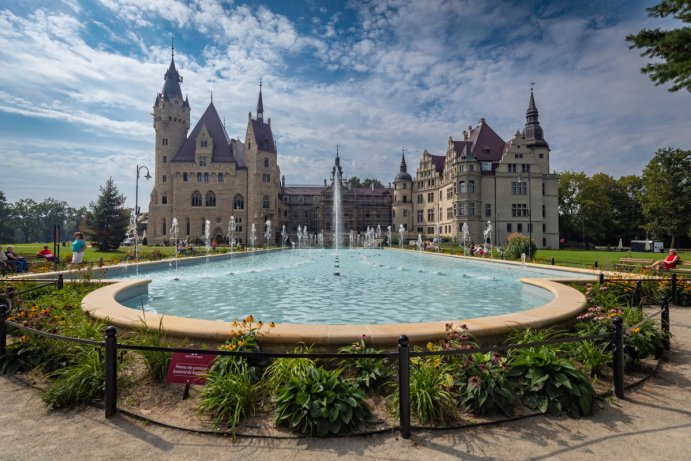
<point x="171" y="121"/>
<point x="402" y="211"/>
<point x="263" y="173"/>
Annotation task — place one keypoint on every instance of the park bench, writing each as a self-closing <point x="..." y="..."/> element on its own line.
<point x="631" y="264"/>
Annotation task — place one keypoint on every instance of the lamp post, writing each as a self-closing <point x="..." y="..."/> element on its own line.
<point x="136" y="209"/>
<point x="530" y="218"/>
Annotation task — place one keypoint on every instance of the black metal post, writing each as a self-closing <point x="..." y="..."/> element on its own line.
<point x="111" y="371"/>
<point x="3" y="329"/>
<point x="595" y="264"/>
<point x="602" y="278"/>
<point x="664" y="323"/>
<point x="404" y="385"/>
<point x="60" y="282"/>
<point x="553" y="261"/>
<point x="638" y="293"/>
<point x="674" y="288"/>
<point x="618" y="357"/>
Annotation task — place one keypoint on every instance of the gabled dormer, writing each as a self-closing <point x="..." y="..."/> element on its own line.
<point x="204" y="147"/>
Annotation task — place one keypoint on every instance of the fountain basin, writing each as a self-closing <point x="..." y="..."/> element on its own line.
<point x="564" y="305"/>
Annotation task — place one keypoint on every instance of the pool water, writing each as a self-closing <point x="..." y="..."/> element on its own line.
<point x="372" y="286"/>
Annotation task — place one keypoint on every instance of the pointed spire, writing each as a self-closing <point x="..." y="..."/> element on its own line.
<point x="212" y="96"/>
<point x="337" y="171"/>
<point x="532" y="133"/>
<point x="404" y="167"/>
<point x="171" y="87"/>
<point x="260" y="103"/>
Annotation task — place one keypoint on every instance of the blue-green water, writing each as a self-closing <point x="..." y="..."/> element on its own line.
<point x="374" y="286"/>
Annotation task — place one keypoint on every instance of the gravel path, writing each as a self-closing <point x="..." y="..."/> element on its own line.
<point x="654" y="421"/>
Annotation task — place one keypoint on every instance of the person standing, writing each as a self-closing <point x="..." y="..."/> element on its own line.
<point x="78" y="248"/>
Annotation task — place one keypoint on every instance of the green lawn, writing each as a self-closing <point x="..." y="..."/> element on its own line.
<point x="92" y="255"/>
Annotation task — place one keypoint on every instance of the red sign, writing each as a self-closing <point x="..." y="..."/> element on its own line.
<point x="186" y="368"/>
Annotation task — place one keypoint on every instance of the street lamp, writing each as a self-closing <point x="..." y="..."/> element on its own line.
<point x="136" y="210"/>
<point x="530" y="218"/>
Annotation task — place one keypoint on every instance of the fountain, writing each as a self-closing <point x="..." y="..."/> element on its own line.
<point x="320" y="240"/>
<point x="284" y="237"/>
<point x="232" y="227"/>
<point x="207" y="241"/>
<point x="420" y="249"/>
<point x="437" y="235"/>
<point x="253" y="235"/>
<point x="267" y="232"/>
<point x="174" y="234"/>
<point x="488" y="236"/>
<point x="388" y="235"/>
<point x="401" y="232"/>
<point x="336" y="178"/>
<point x="299" y="235"/>
<point x="306" y="236"/>
<point x="466" y="237"/>
<point x="351" y="238"/>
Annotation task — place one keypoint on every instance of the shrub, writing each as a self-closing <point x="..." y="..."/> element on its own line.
<point x="320" y="402"/>
<point x="156" y="361"/>
<point x="229" y="395"/>
<point x="483" y="385"/>
<point x="550" y="383"/>
<point x="279" y="372"/>
<point x="519" y="244"/>
<point x="78" y="383"/>
<point x="369" y="372"/>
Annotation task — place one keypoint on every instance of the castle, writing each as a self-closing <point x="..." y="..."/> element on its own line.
<point x="207" y="176"/>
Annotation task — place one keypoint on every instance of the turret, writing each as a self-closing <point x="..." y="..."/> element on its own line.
<point x="533" y="131"/>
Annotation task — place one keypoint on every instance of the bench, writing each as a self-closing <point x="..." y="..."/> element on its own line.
<point x="630" y="264"/>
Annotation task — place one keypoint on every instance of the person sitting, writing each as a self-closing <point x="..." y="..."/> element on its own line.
<point x="4" y="264"/>
<point x="47" y="254"/>
<point x="670" y="262"/>
<point x="18" y="262"/>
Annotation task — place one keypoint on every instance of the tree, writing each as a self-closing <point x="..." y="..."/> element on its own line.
<point x="667" y="202"/>
<point x="107" y="220"/>
<point x="571" y="186"/>
<point x="673" y="47"/>
<point x="27" y="219"/>
<point x="368" y="183"/>
<point x="630" y="209"/>
<point x="6" y="220"/>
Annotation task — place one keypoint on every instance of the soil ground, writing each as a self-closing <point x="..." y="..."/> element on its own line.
<point x="653" y="421"/>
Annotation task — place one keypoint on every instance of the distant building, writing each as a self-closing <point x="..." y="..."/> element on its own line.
<point x="483" y="179"/>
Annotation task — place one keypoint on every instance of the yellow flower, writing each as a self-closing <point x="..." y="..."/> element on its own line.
<point x="249" y="319"/>
<point x="430" y="346"/>
<point x="635" y="330"/>
<point x="272" y="324"/>
<point x="260" y="324"/>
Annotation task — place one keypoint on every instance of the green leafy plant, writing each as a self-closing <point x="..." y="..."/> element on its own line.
<point x="78" y="383"/>
<point x="519" y="244"/>
<point x="320" y="402"/>
<point x="550" y="383"/>
<point x="431" y="386"/>
<point x="156" y="361"/>
<point x="483" y="385"/>
<point x="594" y="356"/>
<point x="279" y="372"/>
<point x="21" y="355"/>
<point x="229" y="395"/>
<point x="369" y="372"/>
<point x="644" y="340"/>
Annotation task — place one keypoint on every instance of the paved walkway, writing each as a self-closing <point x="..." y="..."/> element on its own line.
<point x="653" y="422"/>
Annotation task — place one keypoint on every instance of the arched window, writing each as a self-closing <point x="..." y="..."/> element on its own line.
<point x="238" y="202"/>
<point x="196" y="198"/>
<point x="265" y="202"/>
<point x="210" y="199"/>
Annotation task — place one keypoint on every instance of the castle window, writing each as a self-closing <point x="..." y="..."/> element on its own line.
<point x="405" y="213"/>
<point x="511" y="167"/>
<point x="266" y="177"/>
<point x="471" y="209"/>
<point x="525" y="168"/>
<point x="419" y="215"/>
<point x="187" y="226"/>
<point x="405" y="199"/>
<point x="508" y="227"/>
<point x="164" y="178"/>
<point x="543" y="188"/>
<point x="249" y="144"/>
<point x="486" y="166"/>
<point x="165" y="159"/>
<point x="461" y="209"/>
<point x="164" y="199"/>
<point x="266" y="162"/>
<point x="202" y="160"/>
<point x="519" y="227"/>
<point x="393" y="214"/>
<point x="419" y="198"/>
<point x="471" y="186"/>
<point x="461" y="187"/>
<point x="238" y="202"/>
<point x="471" y="167"/>
<point x="519" y="209"/>
<point x="196" y="198"/>
<point x="210" y="199"/>
<point x="405" y="185"/>
<point x="265" y="202"/>
<point x="164" y="142"/>
<point x="199" y="177"/>
<point x="544" y="211"/>
<point x="206" y="177"/>
<point x="430" y="197"/>
<point x="204" y="144"/>
<point x="519" y="188"/>
<point x="544" y="227"/>
<point x="185" y="177"/>
<point x="220" y="177"/>
<point x="164" y="228"/>
<point x="542" y="155"/>
<point x="488" y="209"/>
<point x="430" y="215"/>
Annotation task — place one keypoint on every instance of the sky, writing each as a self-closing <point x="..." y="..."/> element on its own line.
<point x="79" y="79"/>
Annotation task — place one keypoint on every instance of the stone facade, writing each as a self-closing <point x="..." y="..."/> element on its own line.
<point x="482" y="180"/>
